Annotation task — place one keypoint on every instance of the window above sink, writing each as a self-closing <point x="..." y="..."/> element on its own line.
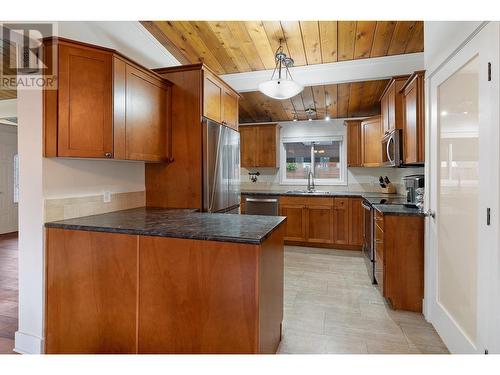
<point x="325" y="156"/>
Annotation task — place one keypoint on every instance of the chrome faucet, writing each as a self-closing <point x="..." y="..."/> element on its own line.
<point x="310" y="182"/>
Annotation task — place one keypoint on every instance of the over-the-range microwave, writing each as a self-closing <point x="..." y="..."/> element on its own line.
<point x="392" y="148"/>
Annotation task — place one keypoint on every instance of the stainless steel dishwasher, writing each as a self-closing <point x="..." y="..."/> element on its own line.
<point x="264" y="205"/>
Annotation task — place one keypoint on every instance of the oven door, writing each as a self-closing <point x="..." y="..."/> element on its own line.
<point x="392" y="149"/>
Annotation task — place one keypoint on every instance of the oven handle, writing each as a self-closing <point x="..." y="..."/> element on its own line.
<point x="389" y="140"/>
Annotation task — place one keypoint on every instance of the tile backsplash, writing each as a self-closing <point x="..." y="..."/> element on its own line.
<point x="358" y="179"/>
<point x="68" y="208"/>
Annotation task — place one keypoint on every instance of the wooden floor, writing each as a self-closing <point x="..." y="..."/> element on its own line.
<point x="331" y="307"/>
<point x="8" y="292"/>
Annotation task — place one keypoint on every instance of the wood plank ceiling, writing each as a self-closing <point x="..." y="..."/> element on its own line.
<point x="356" y="99"/>
<point x="242" y="46"/>
<point x="5" y="49"/>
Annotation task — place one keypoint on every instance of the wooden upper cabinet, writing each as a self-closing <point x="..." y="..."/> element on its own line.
<point x="259" y="146"/>
<point x="105" y="106"/>
<point x="230" y="109"/>
<point x="371" y="142"/>
<point x="391" y="104"/>
<point x="413" y="125"/>
<point x="212" y="98"/>
<point x="220" y="103"/>
<point x="353" y="143"/>
<point x="142" y="107"/>
<point x="384" y="112"/>
<point x="248" y="146"/>
<point x="84" y="102"/>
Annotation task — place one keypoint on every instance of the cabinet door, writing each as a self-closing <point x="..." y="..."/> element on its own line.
<point x="85" y="103"/>
<point x="355" y="221"/>
<point x="230" y="109"/>
<point x="295" y="222"/>
<point x="266" y="141"/>
<point x="91" y="292"/>
<point x="353" y="143"/>
<point x="391" y="107"/>
<point x="384" y="110"/>
<point x="371" y="142"/>
<point x="212" y="98"/>
<point x="319" y="224"/>
<point x="248" y="146"/>
<point x="341" y="221"/>
<point x="146" y="116"/>
<point x="414" y="122"/>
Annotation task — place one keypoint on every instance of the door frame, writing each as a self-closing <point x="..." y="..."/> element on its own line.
<point x="488" y="261"/>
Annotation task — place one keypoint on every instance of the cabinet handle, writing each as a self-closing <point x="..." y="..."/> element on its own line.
<point x="108" y="154"/>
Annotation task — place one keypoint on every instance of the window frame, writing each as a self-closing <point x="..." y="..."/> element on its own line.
<point x="320" y="181"/>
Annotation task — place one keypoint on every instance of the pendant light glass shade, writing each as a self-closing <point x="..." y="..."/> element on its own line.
<point x="280" y="88"/>
<point x="283" y="86"/>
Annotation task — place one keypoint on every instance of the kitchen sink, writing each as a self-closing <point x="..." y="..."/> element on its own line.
<point x="307" y="192"/>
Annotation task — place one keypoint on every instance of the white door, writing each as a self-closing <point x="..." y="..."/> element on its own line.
<point x="8" y="201"/>
<point x="462" y="251"/>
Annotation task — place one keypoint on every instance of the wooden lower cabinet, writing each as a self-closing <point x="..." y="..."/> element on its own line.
<point x="91" y="295"/>
<point x="341" y="221"/>
<point x="319" y="219"/>
<point x="356" y="221"/>
<point x="323" y="221"/>
<point x="295" y="221"/>
<point x="399" y="260"/>
<point x="117" y="293"/>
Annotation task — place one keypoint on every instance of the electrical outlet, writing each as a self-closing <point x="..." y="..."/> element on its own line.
<point x="106" y="197"/>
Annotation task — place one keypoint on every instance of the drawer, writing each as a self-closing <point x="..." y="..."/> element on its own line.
<point x="307" y="201"/>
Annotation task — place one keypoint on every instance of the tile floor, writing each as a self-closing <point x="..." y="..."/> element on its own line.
<point x="331" y="307"/>
<point x="8" y="292"/>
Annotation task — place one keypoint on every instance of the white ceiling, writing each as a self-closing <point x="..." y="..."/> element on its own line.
<point x="127" y="37"/>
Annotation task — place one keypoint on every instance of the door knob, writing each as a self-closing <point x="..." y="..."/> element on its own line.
<point x="430" y="213"/>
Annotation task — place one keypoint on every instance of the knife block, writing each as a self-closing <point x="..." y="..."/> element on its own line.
<point x="389" y="189"/>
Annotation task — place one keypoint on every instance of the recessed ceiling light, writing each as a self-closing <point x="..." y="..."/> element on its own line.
<point x="466" y="113"/>
<point x="444" y="113"/>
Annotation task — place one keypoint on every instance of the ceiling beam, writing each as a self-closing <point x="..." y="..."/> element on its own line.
<point x="334" y="73"/>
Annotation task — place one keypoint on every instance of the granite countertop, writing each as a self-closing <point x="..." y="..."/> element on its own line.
<point x="178" y="224"/>
<point x="398" y="209"/>
<point x="373" y="198"/>
<point x="360" y="194"/>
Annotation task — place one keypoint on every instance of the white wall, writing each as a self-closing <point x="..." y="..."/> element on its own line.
<point x="358" y="179"/>
<point x="31" y="201"/>
<point x="56" y="178"/>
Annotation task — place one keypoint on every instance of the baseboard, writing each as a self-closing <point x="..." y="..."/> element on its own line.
<point x="28" y="344"/>
<point x="324" y="245"/>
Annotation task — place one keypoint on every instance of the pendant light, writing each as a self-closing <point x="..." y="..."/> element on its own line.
<point x="282" y="86"/>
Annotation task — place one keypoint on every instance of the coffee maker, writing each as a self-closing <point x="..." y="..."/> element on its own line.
<point x="414" y="187"/>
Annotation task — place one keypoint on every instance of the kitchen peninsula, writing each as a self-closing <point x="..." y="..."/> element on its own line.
<point x="152" y="280"/>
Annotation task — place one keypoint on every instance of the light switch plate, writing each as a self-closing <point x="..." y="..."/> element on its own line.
<point x="106" y="197"/>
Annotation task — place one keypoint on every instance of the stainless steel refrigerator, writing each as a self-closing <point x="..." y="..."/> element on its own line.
<point x="221" y="168"/>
